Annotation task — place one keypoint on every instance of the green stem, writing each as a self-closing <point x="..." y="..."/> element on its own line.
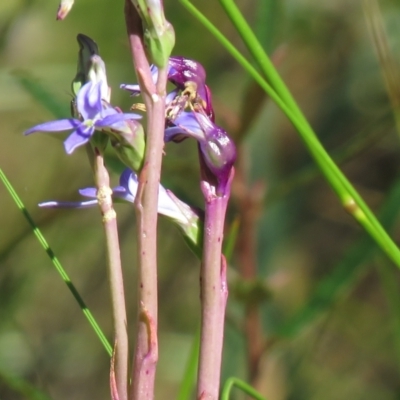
<point x="350" y="199"/>
<point x="56" y="264"/>
<point x="231" y="382"/>
<point x="189" y="378"/>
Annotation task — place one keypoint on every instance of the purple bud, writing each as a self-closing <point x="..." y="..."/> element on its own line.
<point x="217" y="149"/>
<point x="181" y="70"/>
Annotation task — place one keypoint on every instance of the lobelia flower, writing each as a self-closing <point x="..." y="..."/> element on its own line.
<point x="127" y="137"/>
<point x="187" y="75"/>
<point x="95" y="114"/>
<point x="217" y="149"/>
<point x="187" y="219"/>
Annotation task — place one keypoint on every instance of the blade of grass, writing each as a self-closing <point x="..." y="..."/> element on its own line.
<point x="56" y="263"/>
<point x="245" y="387"/>
<point x="189" y="378"/>
<point x="350" y="199"/>
<point x="344" y="188"/>
<point x="343" y="273"/>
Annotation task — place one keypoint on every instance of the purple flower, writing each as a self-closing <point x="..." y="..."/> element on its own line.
<point x="182" y="70"/>
<point x="183" y="73"/>
<point x="188" y="219"/>
<point x="95" y="113"/>
<point x="217" y="149"/>
<point x="126" y="192"/>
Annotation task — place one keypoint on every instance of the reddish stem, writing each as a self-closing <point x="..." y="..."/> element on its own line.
<point x="214" y="293"/>
<point x="115" y="277"/>
<point x="146" y="351"/>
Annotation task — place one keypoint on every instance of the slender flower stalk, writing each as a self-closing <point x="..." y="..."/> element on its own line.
<point x="214" y="292"/>
<point x="217" y="154"/>
<point x="115" y="277"/>
<point x="146" y="351"/>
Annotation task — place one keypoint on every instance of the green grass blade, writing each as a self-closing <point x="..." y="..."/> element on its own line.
<point x="245" y="387"/>
<point x="257" y="51"/>
<point x="350" y="199"/>
<point x="189" y="378"/>
<point x="343" y="273"/>
<point x="56" y="263"/>
<point x="342" y="186"/>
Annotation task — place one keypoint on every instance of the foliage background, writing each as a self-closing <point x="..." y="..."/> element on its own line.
<point x="344" y="343"/>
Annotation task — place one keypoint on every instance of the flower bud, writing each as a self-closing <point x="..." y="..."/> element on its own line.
<point x="158" y="33"/>
<point x="64" y="8"/>
<point x="91" y="68"/>
<point x="129" y="143"/>
<point x="217" y="149"/>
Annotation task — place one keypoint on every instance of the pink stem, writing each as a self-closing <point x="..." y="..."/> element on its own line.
<point x="146" y="351"/>
<point x="115" y="277"/>
<point x="214" y="293"/>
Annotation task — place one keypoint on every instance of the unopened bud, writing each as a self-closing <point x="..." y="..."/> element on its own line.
<point x="129" y="143"/>
<point x="64" y="8"/>
<point x="90" y="67"/>
<point x="159" y="35"/>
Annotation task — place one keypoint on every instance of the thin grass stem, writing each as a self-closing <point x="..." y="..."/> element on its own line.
<point x="245" y="387"/>
<point x="89" y="316"/>
<point x="348" y="196"/>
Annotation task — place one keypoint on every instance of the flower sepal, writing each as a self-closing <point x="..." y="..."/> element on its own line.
<point x="129" y="144"/>
<point x="99" y="141"/>
<point x="158" y="33"/>
<point x="159" y="45"/>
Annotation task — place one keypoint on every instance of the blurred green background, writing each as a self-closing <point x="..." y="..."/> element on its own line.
<point x="325" y="313"/>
